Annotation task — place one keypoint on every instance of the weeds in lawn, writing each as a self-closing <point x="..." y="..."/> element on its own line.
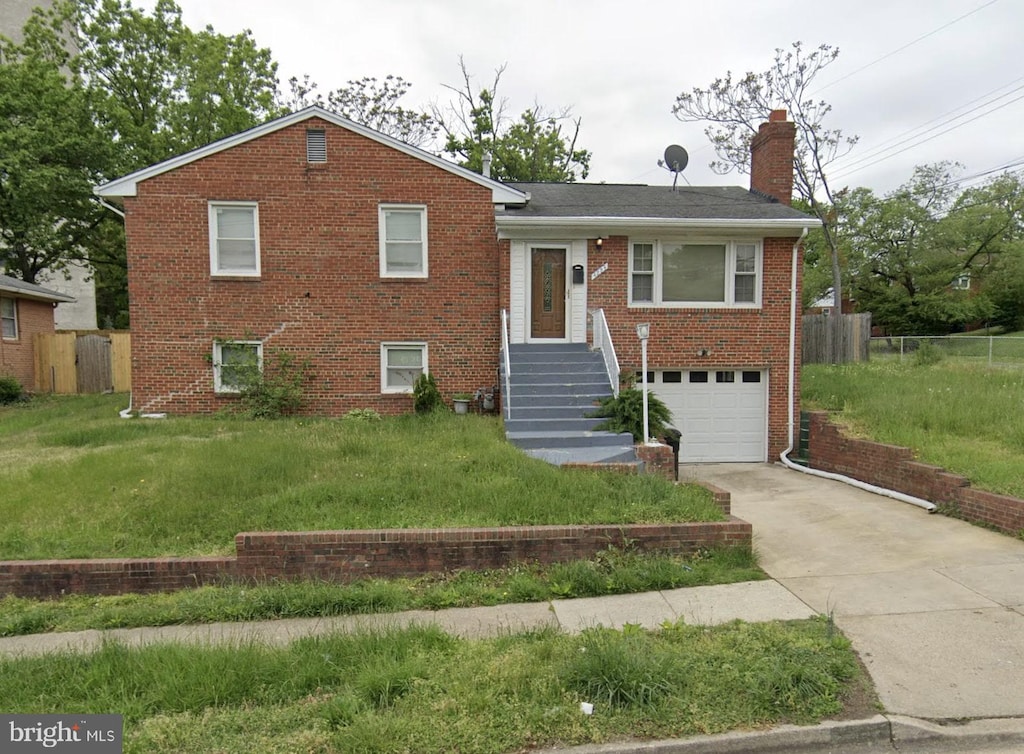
<point x="963" y="418"/>
<point x="81" y="482"/>
<point x="614" y="573"/>
<point x="418" y="689"/>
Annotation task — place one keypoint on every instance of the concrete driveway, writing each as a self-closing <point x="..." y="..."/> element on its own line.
<point x="934" y="606"/>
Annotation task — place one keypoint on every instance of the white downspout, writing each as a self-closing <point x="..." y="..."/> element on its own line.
<point x="784" y="457"/>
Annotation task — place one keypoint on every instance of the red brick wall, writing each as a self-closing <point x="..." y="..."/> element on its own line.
<point x="320" y="295"/>
<point x="893" y="467"/>
<point x="734" y="338"/>
<point x="771" y="157"/>
<point x="17" y="356"/>
<point x="349" y="555"/>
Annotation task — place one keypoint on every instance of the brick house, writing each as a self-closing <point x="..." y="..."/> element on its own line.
<point x="377" y="261"/>
<point x="25" y="311"/>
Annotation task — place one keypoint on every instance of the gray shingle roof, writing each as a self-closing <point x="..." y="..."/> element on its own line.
<point x="553" y="200"/>
<point x="28" y="290"/>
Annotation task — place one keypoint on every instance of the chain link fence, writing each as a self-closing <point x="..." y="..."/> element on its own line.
<point x="987" y="350"/>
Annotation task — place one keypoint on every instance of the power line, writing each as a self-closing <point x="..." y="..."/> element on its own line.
<point x="908" y="44"/>
<point x="912" y="133"/>
<point x="930" y="138"/>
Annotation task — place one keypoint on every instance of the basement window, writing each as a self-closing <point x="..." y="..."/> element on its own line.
<point x="316" y="145"/>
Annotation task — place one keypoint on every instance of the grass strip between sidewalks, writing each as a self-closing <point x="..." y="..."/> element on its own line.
<point x="421" y="690"/>
<point x="611" y="572"/>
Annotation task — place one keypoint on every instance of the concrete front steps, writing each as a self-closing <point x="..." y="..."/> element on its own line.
<point x="552" y="389"/>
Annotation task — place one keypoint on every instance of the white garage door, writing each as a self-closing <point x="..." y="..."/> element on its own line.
<point x="722" y="413"/>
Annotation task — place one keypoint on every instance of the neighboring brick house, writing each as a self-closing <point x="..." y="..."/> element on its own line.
<point x="376" y="261"/>
<point x="25" y="311"/>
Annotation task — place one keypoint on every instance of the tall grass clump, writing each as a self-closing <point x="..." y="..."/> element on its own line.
<point x="418" y="689"/>
<point x="961" y="417"/>
<point x="111" y="487"/>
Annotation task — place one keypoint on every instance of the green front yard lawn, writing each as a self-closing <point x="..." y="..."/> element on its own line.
<point x="80" y="482"/>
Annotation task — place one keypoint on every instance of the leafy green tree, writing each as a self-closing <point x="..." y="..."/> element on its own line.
<point x="908" y="248"/>
<point x="51" y="155"/>
<point x="162" y="89"/>
<point x="539" y="146"/>
<point x="367" y="101"/>
<point x="736" y="108"/>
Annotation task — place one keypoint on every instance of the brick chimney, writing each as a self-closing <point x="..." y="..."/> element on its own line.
<point x="771" y="157"/>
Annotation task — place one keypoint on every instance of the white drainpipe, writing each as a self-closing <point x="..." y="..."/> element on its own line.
<point x="784" y="457"/>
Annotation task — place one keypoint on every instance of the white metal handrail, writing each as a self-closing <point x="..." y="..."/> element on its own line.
<point x="603" y="342"/>
<point x="506" y="396"/>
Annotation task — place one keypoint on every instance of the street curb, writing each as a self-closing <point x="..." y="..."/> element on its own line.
<point x="889" y="733"/>
<point x="908" y="731"/>
<point x="785" y="738"/>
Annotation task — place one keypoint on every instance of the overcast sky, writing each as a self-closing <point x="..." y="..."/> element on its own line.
<point x="904" y="66"/>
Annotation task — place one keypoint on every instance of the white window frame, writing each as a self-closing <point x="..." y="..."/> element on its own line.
<point x="12" y="317"/>
<point x="385" y="348"/>
<point x="382" y="211"/>
<point x="216" y="270"/>
<point x="218" y="348"/>
<point x="731" y="273"/>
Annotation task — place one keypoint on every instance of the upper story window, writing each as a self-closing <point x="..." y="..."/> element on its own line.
<point x="403" y="240"/>
<point x="691" y="273"/>
<point x="9" y="318"/>
<point x="962" y="282"/>
<point x="234" y="239"/>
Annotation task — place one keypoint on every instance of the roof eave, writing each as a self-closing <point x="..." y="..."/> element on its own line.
<point x="127" y="186"/>
<point x="511" y="225"/>
<point x="51" y="297"/>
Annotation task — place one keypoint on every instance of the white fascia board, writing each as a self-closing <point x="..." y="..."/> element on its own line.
<point x="518" y="227"/>
<point x="41" y="294"/>
<point x="128" y="185"/>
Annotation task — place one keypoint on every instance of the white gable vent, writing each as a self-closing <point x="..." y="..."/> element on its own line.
<point x="316" y="145"/>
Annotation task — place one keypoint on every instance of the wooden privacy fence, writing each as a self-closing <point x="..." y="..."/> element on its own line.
<point x="83" y="362"/>
<point x="826" y="342"/>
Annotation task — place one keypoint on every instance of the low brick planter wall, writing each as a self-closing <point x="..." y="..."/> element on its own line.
<point x="348" y="555"/>
<point x="894" y="467"/>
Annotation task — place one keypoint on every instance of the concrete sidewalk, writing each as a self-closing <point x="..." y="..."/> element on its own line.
<point x="705" y="605"/>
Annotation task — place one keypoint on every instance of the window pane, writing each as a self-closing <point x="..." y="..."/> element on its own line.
<point x="8" y="315"/>
<point x="751" y="376"/>
<point x="405" y="357"/>
<point x="672" y="377"/>
<point x="236" y="255"/>
<point x="239" y="362"/>
<point x="698" y="377"/>
<point x="643" y="288"/>
<point x="235" y="222"/>
<point x="403" y="226"/>
<point x="746" y="255"/>
<point x="404" y="366"/>
<point x="643" y="257"/>
<point x="744" y="293"/>
<point x="725" y="377"/>
<point x="404" y="257"/>
<point x="693" y="273"/>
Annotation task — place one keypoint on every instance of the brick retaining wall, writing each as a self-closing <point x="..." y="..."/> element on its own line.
<point x="347" y="555"/>
<point x="894" y="467"/>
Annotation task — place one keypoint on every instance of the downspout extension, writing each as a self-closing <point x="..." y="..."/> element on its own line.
<point x="784" y="456"/>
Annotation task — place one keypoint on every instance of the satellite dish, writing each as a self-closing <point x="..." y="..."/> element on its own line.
<point x="675" y="161"/>
<point x="676" y="158"/>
